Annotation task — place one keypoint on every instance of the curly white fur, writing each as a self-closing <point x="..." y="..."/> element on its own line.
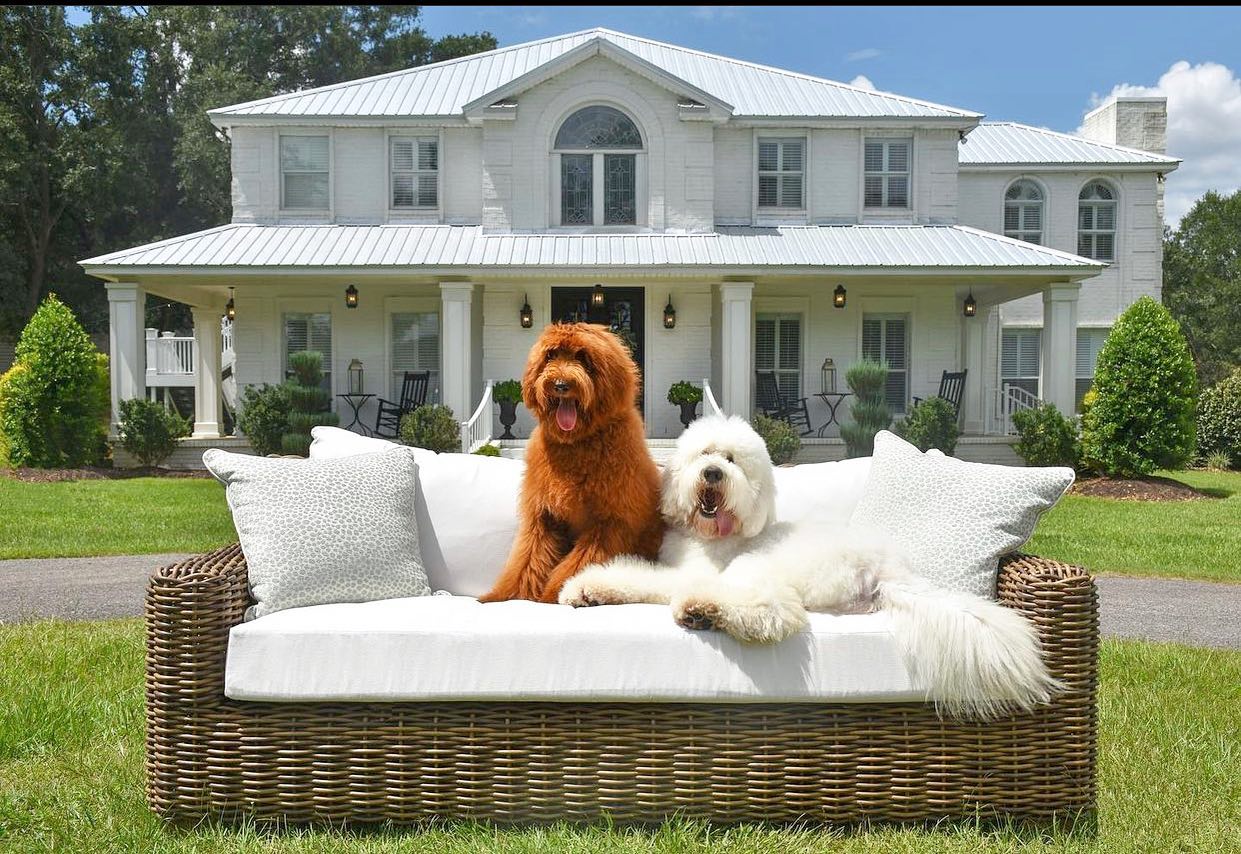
<point x="727" y="564"/>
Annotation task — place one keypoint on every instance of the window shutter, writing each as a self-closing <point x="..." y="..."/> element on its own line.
<point x="415" y="347"/>
<point x="764" y="344"/>
<point x="790" y="196"/>
<point x="303" y="153"/>
<point x="898" y="157"/>
<point x="768" y="192"/>
<point x="304" y="165"/>
<point x="304" y="331"/>
<point x="769" y="156"/>
<point x="872" y="340"/>
<point x="403" y="190"/>
<point x="894" y="345"/>
<point x="428" y="155"/>
<point x="403" y="155"/>
<point x="898" y="191"/>
<point x="793" y="157"/>
<point x="1011" y="218"/>
<point x="874" y="157"/>
<point x="427" y="191"/>
<point x="874" y="192"/>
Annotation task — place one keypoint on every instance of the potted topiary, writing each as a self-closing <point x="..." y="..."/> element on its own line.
<point x="507" y="393"/>
<point x="686" y="395"/>
<point x="870" y="412"/>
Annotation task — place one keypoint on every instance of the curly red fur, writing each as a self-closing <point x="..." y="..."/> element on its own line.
<point x="589" y="493"/>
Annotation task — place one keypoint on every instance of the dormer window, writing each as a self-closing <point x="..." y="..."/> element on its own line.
<point x="415" y="172"/>
<point x="597" y="147"/>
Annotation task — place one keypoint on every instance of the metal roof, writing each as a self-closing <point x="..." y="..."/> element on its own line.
<point x="317" y="247"/>
<point x="444" y="88"/>
<point x="1000" y="143"/>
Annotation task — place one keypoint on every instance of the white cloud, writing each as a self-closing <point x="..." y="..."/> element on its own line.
<point x="713" y="13"/>
<point x="864" y="53"/>
<point x="1204" y="130"/>
<point x="862" y="82"/>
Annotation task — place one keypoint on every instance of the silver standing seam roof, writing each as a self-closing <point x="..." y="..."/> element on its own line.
<point x="1005" y="143"/>
<point x="444" y="88"/>
<point x="318" y="247"/>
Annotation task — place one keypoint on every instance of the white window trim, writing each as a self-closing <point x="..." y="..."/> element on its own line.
<point x="307" y="306"/>
<point x="415" y="212"/>
<point x="908" y="209"/>
<point x="330" y="210"/>
<point x="401" y="305"/>
<point x="999" y="358"/>
<point x="779" y="173"/>
<point x="1116" y="230"/>
<point x="779" y="216"/>
<point x="1045" y="204"/>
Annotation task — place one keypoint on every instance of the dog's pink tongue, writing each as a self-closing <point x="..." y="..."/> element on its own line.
<point x="566" y="414"/>
<point x="724" y="522"/>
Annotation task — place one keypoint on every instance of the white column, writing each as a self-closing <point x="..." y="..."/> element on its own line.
<point x="736" y="347"/>
<point x="208" y="415"/>
<point x="455" y="367"/>
<point x="126" y="321"/>
<point x="973" y="405"/>
<point x="1060" y="345"/>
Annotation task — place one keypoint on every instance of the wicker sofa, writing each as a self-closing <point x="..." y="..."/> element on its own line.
<point x="209" y="756"/>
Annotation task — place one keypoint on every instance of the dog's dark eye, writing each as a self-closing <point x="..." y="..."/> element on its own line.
<point x="551" y="354"/>
<point x="585" y="360"/>
<point x="728" y="457"/>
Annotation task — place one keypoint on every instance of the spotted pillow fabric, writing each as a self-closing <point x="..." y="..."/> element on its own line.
<point x="316" y="532"/>
<point x="955" y="519"/>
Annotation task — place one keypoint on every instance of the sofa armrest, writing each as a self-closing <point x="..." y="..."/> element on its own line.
<point x="190" y="607"/>
<point x="1063" y="604"/>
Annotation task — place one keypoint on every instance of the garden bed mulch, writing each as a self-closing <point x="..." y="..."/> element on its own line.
<point x="29" y="475"/>
<point x="1138" y="489"/>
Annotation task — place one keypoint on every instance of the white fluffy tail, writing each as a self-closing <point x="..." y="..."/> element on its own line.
<point x="978" y="658"/>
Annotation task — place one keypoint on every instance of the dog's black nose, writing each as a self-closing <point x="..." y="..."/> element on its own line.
<point x="711" y="474"/>
<point x="560" y="386"/>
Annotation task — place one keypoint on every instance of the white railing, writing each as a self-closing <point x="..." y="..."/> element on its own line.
<point x="169" y="355"/>
<point x="709" y="406"/>
<point x="477" y="431"/>
<point x="226" y="334"/>
<point x="1007" y="400"/>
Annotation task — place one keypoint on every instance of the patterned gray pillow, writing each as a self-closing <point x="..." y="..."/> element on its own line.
<point x="955" y="519"/>
<point x="316" y="532"/>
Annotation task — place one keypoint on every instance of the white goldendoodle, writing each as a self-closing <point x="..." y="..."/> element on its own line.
<point x="727" y="564"/>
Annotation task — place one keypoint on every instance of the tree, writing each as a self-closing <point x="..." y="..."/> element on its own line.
<point x="1202" y="283"/>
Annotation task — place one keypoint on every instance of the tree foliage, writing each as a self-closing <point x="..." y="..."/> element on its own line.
<point x="1202" y="283"/>
<point x="104" y="138"/>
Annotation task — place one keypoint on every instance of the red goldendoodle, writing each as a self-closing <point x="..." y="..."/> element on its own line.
<point x="591" y="490"/>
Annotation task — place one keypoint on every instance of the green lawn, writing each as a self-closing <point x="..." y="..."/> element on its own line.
<point x="71" y="768"/>
<point x="1178" y="539"/>
<point x="106" y="517"/>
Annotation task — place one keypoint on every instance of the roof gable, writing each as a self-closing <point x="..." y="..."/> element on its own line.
<point x="447" y="89"/>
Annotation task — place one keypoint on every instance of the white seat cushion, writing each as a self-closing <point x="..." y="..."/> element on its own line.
<point x="453" y="648"/>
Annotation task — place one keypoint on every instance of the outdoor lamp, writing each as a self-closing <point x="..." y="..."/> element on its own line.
<point x="596" y="297"/>
<point x="230" y="308"/>
<point x="526" y="314"/>
<point x="838" y="296"/>
<point x="351" y="297"/>
<point x="670" y="315"/>
<point x="971" y="305"/>
<point x="355" y="377"/>
<point x="829" y="375"/>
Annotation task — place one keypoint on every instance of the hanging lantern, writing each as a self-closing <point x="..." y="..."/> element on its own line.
<point x="355" y="377"/>
<point x="526" y="315"/>
<point x="596" y="297"/>
<point x="971" y="305"/>
<point x="829" y="376"/>
<point x="230" y="308"/>
<point x="670" y="315"/>
<point x="351" y="297"/>
<point x="838" y="296"/>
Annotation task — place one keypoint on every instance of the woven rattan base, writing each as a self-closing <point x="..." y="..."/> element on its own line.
<point x="633" y="762"/>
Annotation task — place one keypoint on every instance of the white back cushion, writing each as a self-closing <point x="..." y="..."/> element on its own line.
<point x="820" y="492"/>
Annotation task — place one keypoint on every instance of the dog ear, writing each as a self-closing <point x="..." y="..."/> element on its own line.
<point x="616" y="374"/>
<point x="530" y="377"/>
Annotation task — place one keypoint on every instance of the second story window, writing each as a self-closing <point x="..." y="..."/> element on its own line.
<point x="1096" y="222"/>
<point x="415" y="172"/>
<point x="781" y="172"/>
<point x="597" y="148"/>
<point x="886" y="183"/>
<point x="304" y="173"/>
<point x="1023" y="212"/>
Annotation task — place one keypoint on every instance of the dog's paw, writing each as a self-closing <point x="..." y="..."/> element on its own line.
<point x="696" y="614"/>
<point x="587" y="594"/>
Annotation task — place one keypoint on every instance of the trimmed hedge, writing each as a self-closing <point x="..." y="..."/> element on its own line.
<point x="930" y="424"/>
<point x="1047" y="438"/>
<point x="1219" y="420"/>
<point x="431" y="426"/>
<point x="781" y="439"/>
<point x="149" y="431"/>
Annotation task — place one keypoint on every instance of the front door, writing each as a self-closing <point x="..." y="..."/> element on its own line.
<point x="623" y="311"/>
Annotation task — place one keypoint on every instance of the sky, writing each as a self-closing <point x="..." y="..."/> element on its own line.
<point x="1041" y="66"/>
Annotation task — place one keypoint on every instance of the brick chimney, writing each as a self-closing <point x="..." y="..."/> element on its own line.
<point x="1134" y="122"/>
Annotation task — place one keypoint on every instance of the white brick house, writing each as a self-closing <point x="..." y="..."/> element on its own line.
<point x="747" y="197"/>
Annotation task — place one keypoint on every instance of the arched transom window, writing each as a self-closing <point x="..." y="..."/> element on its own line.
<point x="597" y="147"/>
<point x="1023" y="212"/>
<point x="1096" y="221"/>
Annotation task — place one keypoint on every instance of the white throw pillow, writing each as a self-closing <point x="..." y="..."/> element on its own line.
<point x="956" y="519"/>
<point x="324" y="531"/>
<point x="820" y="492"/>
<point x="466" y="508"/>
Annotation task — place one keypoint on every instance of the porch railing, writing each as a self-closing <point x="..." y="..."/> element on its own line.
<point x="477" y="431"/>
<point x="169" y="355"/>
<point x="709" y="406"/>
<point x="1006" y="401"/>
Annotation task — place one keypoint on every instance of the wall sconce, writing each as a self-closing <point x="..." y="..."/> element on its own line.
<point x="596" y="297"/>
<point x="971" y="305"/>
<point x="526" y="314"/>
<point x="355" y="377"/>
<point x="670" y="315"/>
<point x="838" y="296"/>
<point x="230" y="308"/>
<point x="351" y="297"/>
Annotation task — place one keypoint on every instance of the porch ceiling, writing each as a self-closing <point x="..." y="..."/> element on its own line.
<point x="443" y="250"/>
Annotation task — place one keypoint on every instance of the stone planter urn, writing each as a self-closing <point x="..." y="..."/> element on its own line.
<point x="689" y="411"/>
<point x="508" y="417"/>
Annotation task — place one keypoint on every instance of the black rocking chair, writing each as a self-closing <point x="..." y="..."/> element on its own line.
<point x="951" y="389"/>
<point x="773" y="404"/>
<point x="413" y="394"/>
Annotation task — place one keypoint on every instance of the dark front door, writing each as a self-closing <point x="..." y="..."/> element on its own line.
<point x="623" y="311"/>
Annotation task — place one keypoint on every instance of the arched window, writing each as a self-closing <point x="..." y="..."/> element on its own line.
<point x="598" y="167"/>
<point x="1023" y="212"/>
<point x="1096" y="221"/>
